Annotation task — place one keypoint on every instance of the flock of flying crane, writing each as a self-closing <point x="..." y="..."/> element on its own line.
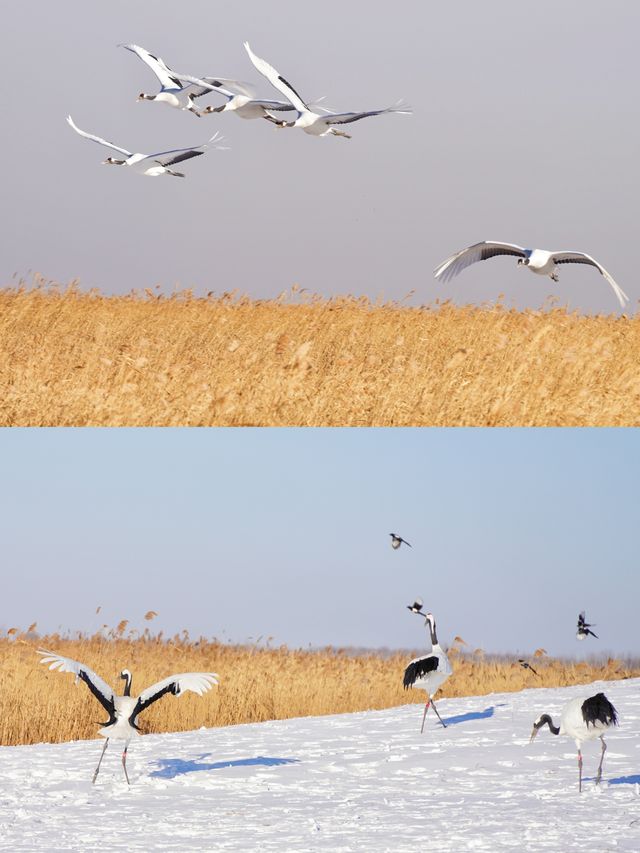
<point x="583" y="718"/>
<point x="181" y="91"/>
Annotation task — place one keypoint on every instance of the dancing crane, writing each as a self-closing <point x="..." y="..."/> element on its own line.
<point x="124" y="710"/>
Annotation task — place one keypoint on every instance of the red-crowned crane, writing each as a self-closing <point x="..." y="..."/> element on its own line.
<point x="539" y="261"/>
<point x="582" y="719"/>
<point x="151" y="165"/>
<point x="124" y="710"/>
<point x="430" y="671"/>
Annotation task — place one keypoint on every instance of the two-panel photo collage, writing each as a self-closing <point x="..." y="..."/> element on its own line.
<point x="319" y="408"/>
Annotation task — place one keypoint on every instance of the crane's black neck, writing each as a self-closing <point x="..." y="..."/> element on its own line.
<point x="432" y="630"/>
<point x="545" y="720"/>
<point x="126" y="675"/>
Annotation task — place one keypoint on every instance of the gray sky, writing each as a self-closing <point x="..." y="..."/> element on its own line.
<point x="525" y="130"/>
<point x="245" y="532"/>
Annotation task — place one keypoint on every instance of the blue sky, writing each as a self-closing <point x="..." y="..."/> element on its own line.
<point x="253" y="532"/>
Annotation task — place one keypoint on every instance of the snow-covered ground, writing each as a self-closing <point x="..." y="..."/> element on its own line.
<point x="367" y="782"/>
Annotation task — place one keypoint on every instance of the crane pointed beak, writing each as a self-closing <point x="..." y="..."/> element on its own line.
<point x="533" y="734"/>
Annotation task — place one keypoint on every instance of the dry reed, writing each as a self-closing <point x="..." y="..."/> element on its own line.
<point x="256" y="683"/>
<point x="71" y="358"/>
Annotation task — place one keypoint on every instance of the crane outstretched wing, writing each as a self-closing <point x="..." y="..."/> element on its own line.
<point x="100" y="689"/>
<point x="168" y="79"/>
<point x="232" y="87"/>
<point x="347" y="118"/>
<point x="179" y="158"/>
<point x="97" y="139"/>
<point x="276" y="80"/>
<point x="193" y="151"/>
<point x="276" y="106"/>
<point x="478" y="252"/>
<point x="581" y="258"/>
<point x="196" y="682"/>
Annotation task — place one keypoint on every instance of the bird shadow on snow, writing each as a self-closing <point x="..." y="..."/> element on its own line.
<point x="169" y="768"/>
<point x="626" y="780"/>
<point x="473" y="715"/>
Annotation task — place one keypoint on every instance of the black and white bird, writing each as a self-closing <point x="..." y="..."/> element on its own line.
<point x="316" y="124"/>
<point x="583" y="628"/>
<point x="430" y="671"/>
<point x="124" y="710"/>
<point x="244" y="103"/>
<point x="538" y="261"/>
<point x="397" y="541"/>
<point x="151" y="165"/>
<point x="582" y="719"/>
<point x="526" y="665"/>
<point x="177" y="90"/>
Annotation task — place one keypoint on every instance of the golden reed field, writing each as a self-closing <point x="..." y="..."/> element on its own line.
<point x="69" y="358"/>
<point x="257" y="683"/>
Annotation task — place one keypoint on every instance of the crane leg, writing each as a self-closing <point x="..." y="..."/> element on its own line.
<point x="95" y="772"/>
<point x="579" y="771"/>
<point x="438" y="715"/>
<point x="426" y="708"/>
<point x="124" y="763"/>
<point x="604" y="749"/>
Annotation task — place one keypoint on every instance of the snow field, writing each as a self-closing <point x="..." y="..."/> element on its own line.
<point x="354" y="782"/>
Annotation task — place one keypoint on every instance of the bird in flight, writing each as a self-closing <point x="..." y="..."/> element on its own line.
<point x="526" y="665"/>
<point x="583" y="628"/>
<point x="539" y="261"/>
<point x="177" y="90"/>
<point x="397" y="541"/>
<point x="151" y="165"/>
<point x="316" y="124"/>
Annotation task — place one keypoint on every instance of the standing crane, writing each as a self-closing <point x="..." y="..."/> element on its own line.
<point x="430" y="671"/>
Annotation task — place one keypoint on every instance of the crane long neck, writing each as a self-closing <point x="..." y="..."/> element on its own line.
<point x="127" y="686"/>
<point x="545" y="719"/>
<point x="432" y="631"/>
